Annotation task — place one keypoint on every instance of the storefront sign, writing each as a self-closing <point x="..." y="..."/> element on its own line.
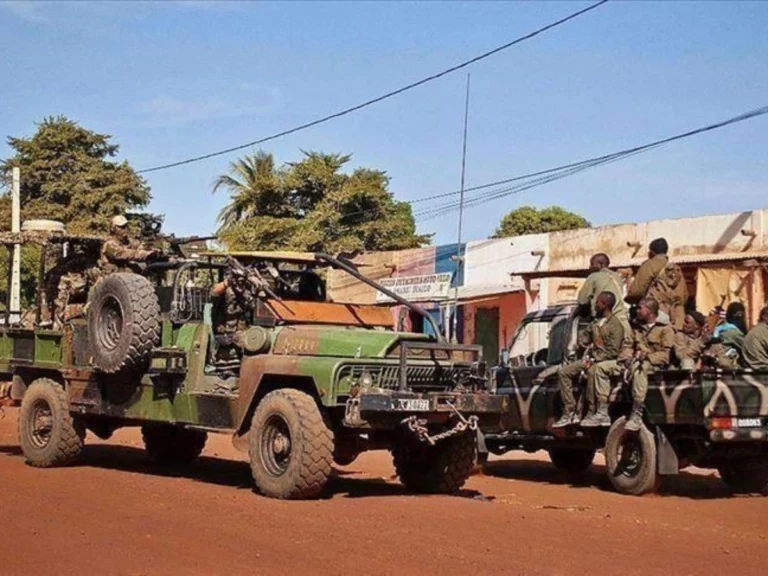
<point x="426" y="288"/>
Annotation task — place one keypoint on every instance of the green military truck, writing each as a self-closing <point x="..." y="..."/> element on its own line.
<point x="299" y="384"/>
<point x="710" y="419"/>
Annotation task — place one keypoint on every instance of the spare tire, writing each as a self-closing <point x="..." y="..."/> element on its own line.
<point x="123" y="322"/>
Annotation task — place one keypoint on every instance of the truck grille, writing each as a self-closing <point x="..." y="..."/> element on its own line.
<point x="420" y="378"/>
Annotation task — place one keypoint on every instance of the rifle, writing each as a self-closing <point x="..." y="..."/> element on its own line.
<point x="178" y="244"/>
<point x="239" y="274"/>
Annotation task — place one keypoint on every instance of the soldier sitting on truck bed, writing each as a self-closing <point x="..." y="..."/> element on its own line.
<point x="724" y="350"/>
<point x="690" y="341"/>
<point x="756" y="344"/>
<point x="603" y="341"/>
<point x="650" y="350"/>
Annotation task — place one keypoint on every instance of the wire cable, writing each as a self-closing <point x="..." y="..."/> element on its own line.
<point x="378" y="99"/>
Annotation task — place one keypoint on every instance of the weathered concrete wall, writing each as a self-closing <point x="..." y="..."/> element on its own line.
<point x="686" y="236"/>
<point x="490" y="262"/>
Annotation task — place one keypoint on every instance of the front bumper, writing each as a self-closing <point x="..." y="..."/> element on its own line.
<point x="387" y="408"/>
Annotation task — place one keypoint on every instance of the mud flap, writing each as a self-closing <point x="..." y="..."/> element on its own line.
<point x="667" y="462"/>
<point x="481" y="447"/>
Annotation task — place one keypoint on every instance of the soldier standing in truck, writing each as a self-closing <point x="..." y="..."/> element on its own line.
<point x="120" y="253"/>
<point x="602" y="279"/>
<point x="662" y="280"/>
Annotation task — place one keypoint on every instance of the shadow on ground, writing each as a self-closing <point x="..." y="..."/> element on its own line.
<point x="221" y="472"/>
<point x="684" y="485"/>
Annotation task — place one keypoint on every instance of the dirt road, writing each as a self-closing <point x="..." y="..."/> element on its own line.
<point x="116" y="513"/>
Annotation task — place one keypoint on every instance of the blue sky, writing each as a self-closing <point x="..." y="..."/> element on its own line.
<point x="172" y="80"/>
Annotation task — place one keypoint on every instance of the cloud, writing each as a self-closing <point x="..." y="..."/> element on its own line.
<point x="28" y="11"/>
<point x="250" y="100"/>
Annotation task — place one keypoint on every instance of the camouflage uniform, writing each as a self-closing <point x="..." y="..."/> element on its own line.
<point x="603" y="340"/>
<point x="725" y="353"/>
<point x="688" y="350"/>
<point x="229" y="310"/>
<point x="121" y="255"/>
<point x="755" y="348"/>
<point x="656" y="342"/>
<point x="663" y="281"/>
<point x="604" y="280"/>
<point x="71" y="277"/>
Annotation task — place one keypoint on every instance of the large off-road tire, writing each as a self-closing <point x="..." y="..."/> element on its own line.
<point x="290" y="446"/>
<point x="172" y="444"/>
<point x="746" y="475"/>
<point x="49" y="435"/>
<point x="439" y="469"/>
<point x="571" y="460"/>
<point x="123" y="322"/>
<point x="631" y="459"/>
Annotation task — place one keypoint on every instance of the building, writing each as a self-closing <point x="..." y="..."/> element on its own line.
<point x="723" y="258"/>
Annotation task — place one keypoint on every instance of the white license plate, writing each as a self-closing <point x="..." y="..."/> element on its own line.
<point x="749" y="422"/>
<point x="412" y="405"/>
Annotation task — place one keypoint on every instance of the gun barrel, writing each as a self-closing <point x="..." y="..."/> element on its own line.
<point x="190" y="239"/>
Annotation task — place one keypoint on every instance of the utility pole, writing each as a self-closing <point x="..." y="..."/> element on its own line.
<point x="459" y="257"/>
<point x="15" y="310"/>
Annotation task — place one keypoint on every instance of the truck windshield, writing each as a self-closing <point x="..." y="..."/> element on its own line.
<point x="540" y="342"/>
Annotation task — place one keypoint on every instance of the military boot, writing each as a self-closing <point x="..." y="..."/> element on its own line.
<point x="635" y="421"/>
<point x="568" y="418"/>
<point x="599" y="418"/>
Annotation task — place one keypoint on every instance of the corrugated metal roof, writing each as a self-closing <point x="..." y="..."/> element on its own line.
<point x="582" y="272"/>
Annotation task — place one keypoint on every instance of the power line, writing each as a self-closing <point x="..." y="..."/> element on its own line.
<point x="571" y="169"/>
<point x="379" y="98"/>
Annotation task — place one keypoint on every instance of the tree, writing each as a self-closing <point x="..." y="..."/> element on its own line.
<point x="311" y="205"/>
<point x="67" y="174"/>
<point x="529" y="220"/>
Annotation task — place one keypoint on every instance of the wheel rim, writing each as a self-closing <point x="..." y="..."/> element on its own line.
<point x="276" y="445"/>
<point x="630" y="457"/>
<point x="110" y="324"/>
<point x="40" y="423"/>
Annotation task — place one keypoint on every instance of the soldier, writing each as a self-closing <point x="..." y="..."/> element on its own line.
<point x="602" y="279"/>
<point x="229" y="309"/>
<point x="662" y="280"/>
<point x="690" y="341"/>
<point x="603" y="341"/>
<point x="756" y="344"/>
<point x="120" y="253"/>
<point x="650" y="349"/>
<point x="724" y="350"/>
<point x="71" y="278"/>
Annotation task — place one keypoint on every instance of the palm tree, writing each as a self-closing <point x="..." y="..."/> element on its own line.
<point x="254" y="189"/>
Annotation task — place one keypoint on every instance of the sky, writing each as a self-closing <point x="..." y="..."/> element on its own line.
<point x="174" y="80"/>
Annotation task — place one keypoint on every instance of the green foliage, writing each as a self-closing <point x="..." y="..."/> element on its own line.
<point x="311" y="205"/>
<point x="529" y="220"/>
<point x="67" y="174"/>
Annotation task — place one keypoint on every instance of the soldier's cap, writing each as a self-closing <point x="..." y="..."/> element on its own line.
<point x="119" y="221"/>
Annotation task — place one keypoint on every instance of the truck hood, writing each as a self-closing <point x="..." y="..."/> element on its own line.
<point x="338" y="341"/>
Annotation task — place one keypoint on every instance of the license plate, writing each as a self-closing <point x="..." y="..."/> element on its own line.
<point x="749" y="422"/>
<point x="412" y="405"/>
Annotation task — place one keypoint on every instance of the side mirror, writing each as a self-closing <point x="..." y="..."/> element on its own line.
<point x="505" y="357"/>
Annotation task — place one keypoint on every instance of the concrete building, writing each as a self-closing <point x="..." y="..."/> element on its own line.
<point x="723" y="258"/>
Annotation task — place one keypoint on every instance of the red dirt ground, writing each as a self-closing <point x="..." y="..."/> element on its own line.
<point x="117" y="513"/>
